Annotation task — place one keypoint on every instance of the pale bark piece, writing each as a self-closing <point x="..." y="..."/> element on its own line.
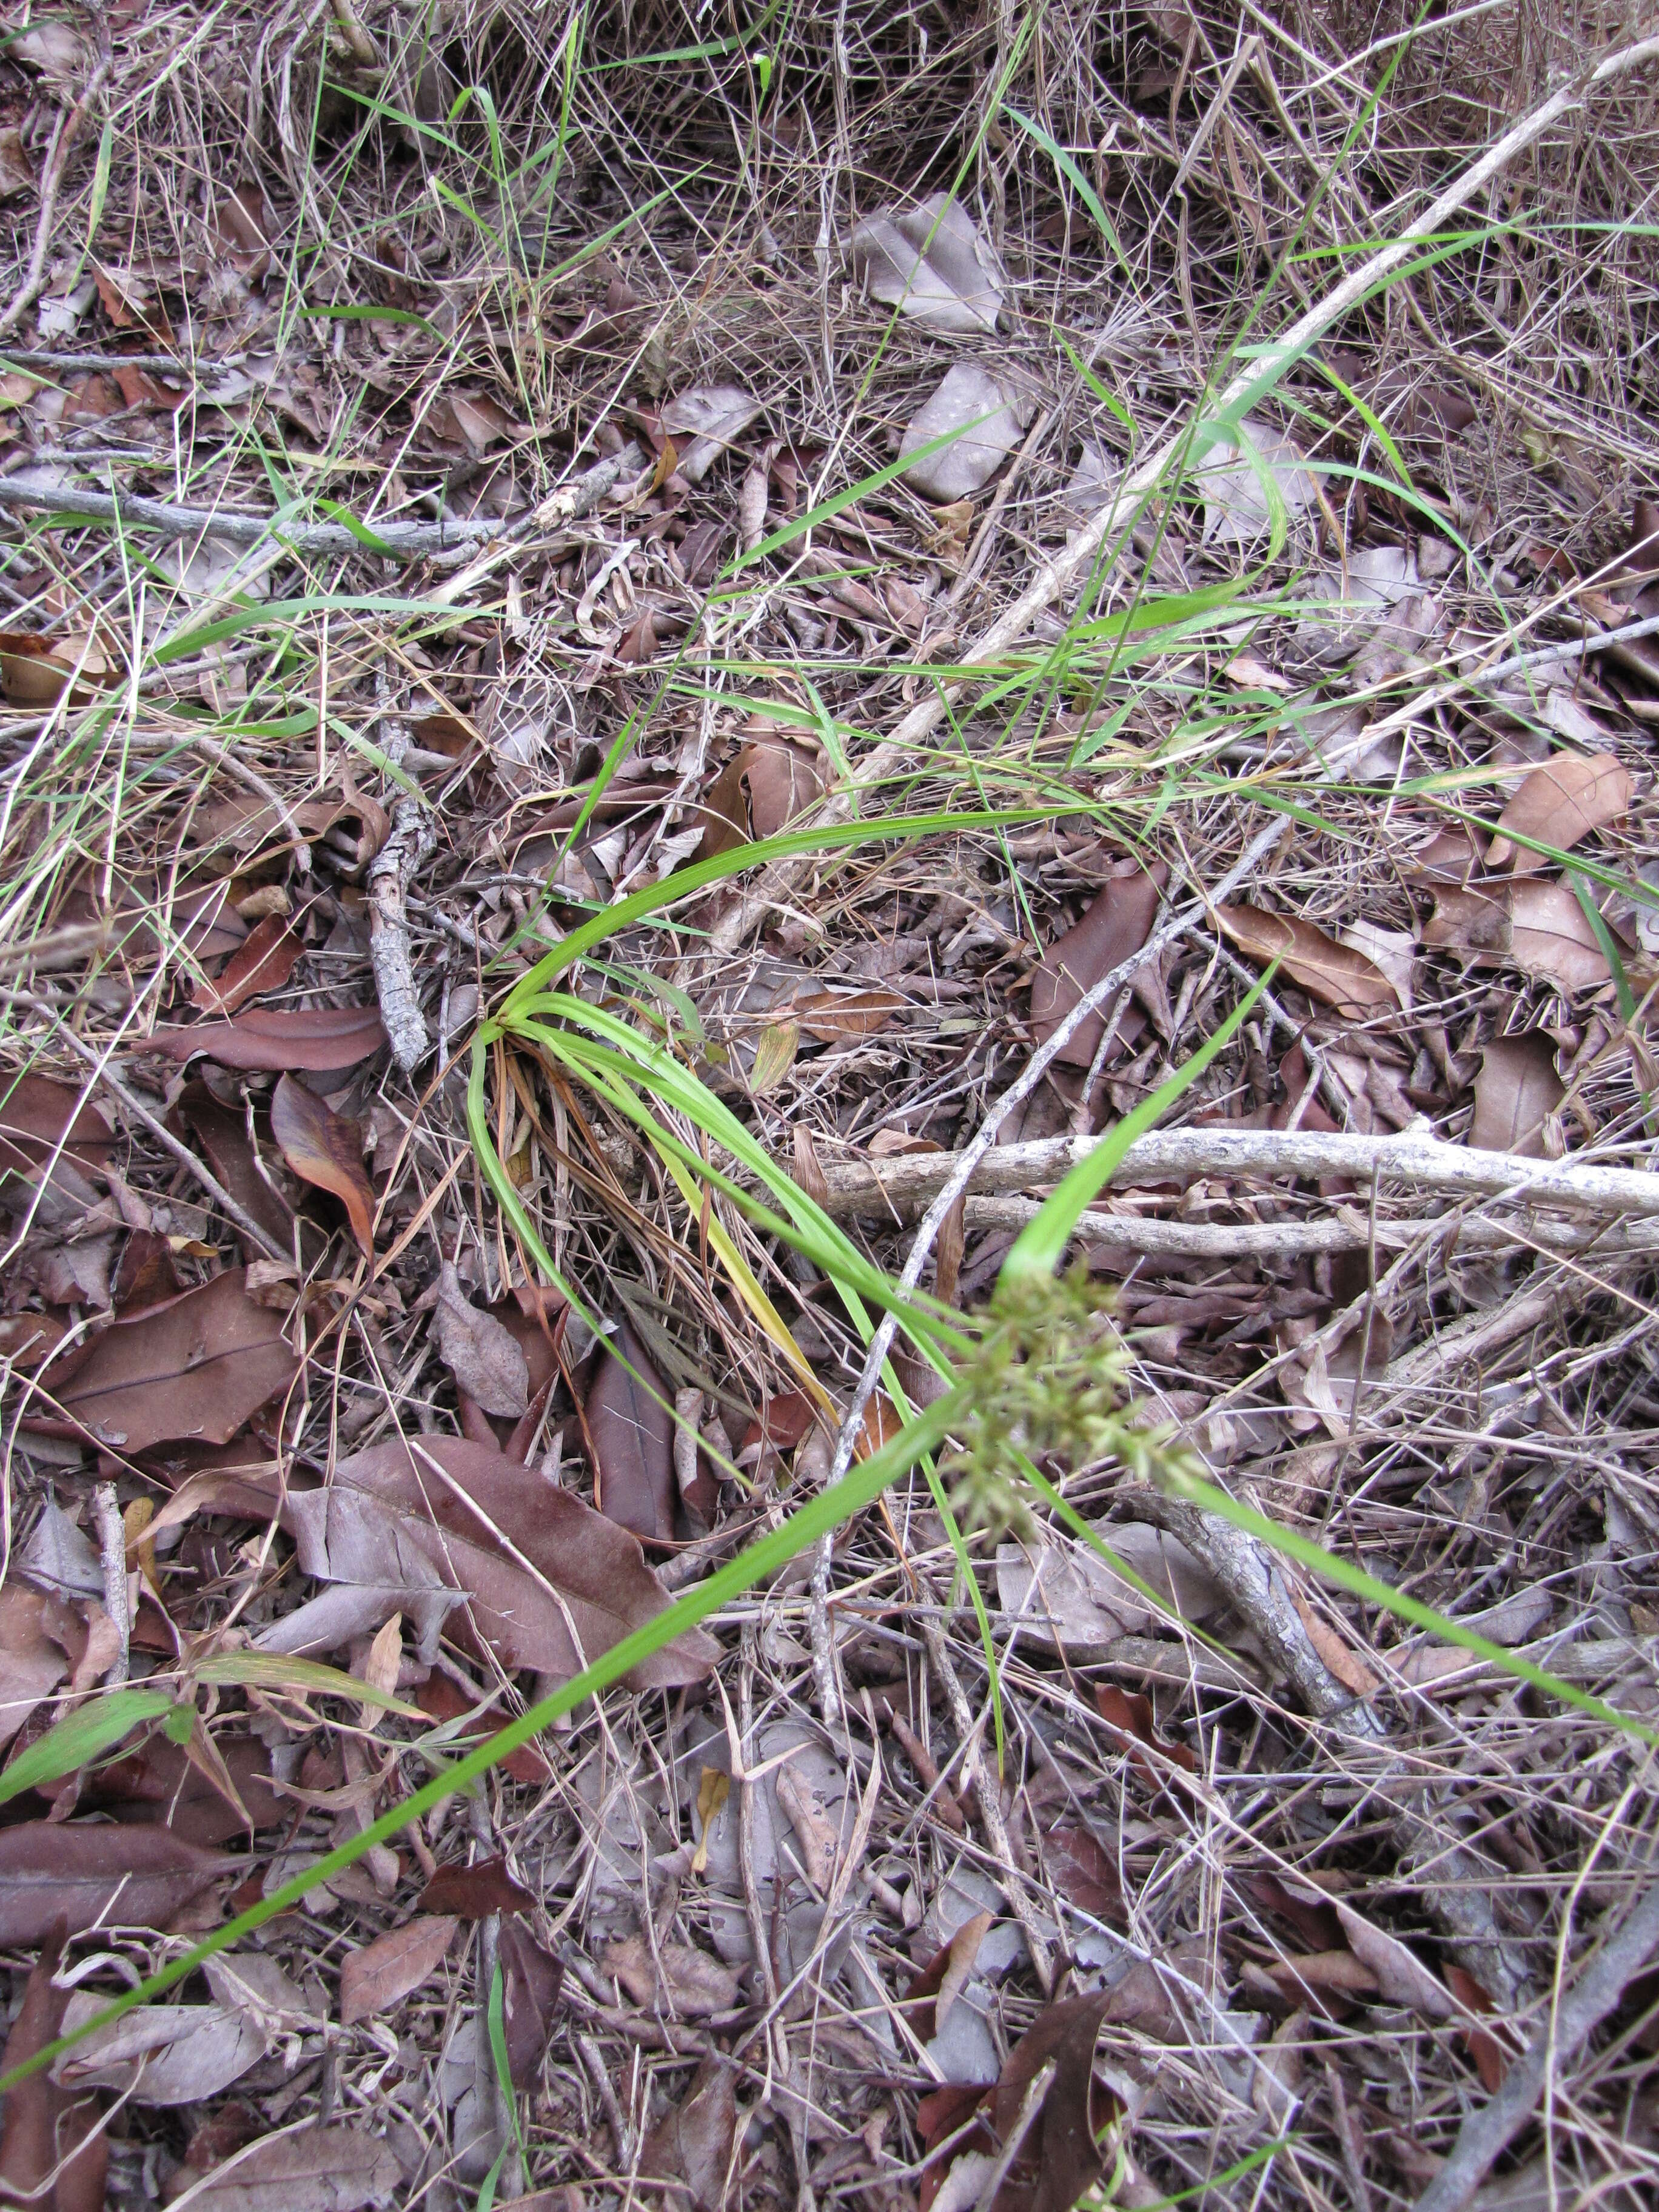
<point x="676" y="1980"/>
<point x="983" y="416"/>
<point x="1558" y="805"/>
<point x="163" y="2054"/>
<point x="1516" y="1092"/>
<point x="933" y="264"/>
<point x="383" y="1973"/>
<point x="1118" y="922"/>
<point x="1250" y="480"/>
<point x="1337" y="975"/>
<point x="341" y="2169"/>
<point x="484" y="1357"/>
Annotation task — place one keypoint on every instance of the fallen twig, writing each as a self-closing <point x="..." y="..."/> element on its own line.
<point x="1486" y="2133"/>
<point x="412" y="839"/>
<point x="1184" y="1155"/>
<point x="1289" y="1240"/>
<point x="113" y="1556"/>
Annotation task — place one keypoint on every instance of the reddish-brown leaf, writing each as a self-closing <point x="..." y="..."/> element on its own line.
<point x="223" y="1137"/>
<point x="382" y="1973"/>
<point x="38" y="1116"/>
<point x="1491" y="2061"/>
<point x="692" y="2143"/>
<point x="160" y="1786"/>
<point x="1535" y="926"/>
<point x="1083" y="1871"/>
<point x="1059" y="2159"/>
<point x="531" y="1980"/>
<point x="52" y="2151"/>
<point x="1129" y="1726"/>
<point x="759" y="791"/>
<point x="325" y="1149"/>
<point x="473" y="1892"/>
<point x="263" y="961"/>
<point x="1327" y="1982"/>
<point x="935" y="1989"/>
<point x="389" y="1513"/>
<point x="671" y="1977"/>
<point x="480" y="1351"/>
<point x="40" y="1639"/>
<point x="831" y="1016"/>
<point x="196" y="1367"/>
<point x="339" y="2169"/>
<point x="1559" y="803"/>
<point x="53" y="1870"/>
<point x="1313" y="1918"/>
<point x="438" y="1698"/>
<point x="316" y="1040"/>
<point x="631" y="1426"/>
<point x="1116" y="925"/>
<point x="1335" y="974"/>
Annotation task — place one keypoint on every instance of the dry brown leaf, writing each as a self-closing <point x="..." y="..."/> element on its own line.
<point x="931" y="1993"/>
<point x="1338" y="1654"/>
<point x="1117" y="924"/>
<point x="52" y="1871"/>
<point x="41" y="1638"/>
<point x="693" y="2141"/>
<point x="17" y="169"/>
<point x="325" y="1150"/>
<point x="1539" y="927"/>
<point x="53" y="2152"/>
<point x="263" y="961"/>
<point x="690" y="1985"/>
<point x="1401" y="1976"/>
<point x="315" y="1040"/>
<point x="483" y="1354"/>
<point x="532" y="1982"/>
<point x="760" y="791"/>
<point x="338" y="2168"/>
<point x="382" y="1973"/>
<point x="933" y="264"/>
<point x="1558" y="805"/>
<point x="401" y="1516"/>
<point x="1516" y="1092"/>
<point x="473" y="1892"/>
<point x="833" y="1016"/>
<point x="164" y="2054"/>
<point x="1337" y="975"/>
<point x="36" y="671"/>
<point x="632" y="1430"/>
<point x="1130" y="1724"/>
<point x="196" y="1367"/>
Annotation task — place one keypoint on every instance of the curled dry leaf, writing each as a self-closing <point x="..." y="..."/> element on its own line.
<point x="1516" y="1092"/>
<point x="483" y="1354"/>
<point x="325" y="1149"/>
<point x="1337" y="975"/>
<point x="631" y="1427"/>
<point x="759" y="791"/>
<point x="397" y="1521"/>
<point x="53" y="2153"/>
<point x="1558" y="805"/>
<point x="935" y="1989"/>
<point x="53" y="1871"/>
<point x="693" y="2141"/>
<point x="690" y="1985"/>
<point x="36" y="671"/>
<point x="704" y="422"/>
<point x="984" y="417"/>
<point x="317" y="1040"/>
<point x="1539" y="927"/>
<point x="196" y="1367"/>
<point x="162" y="2054"/>
<point x="1118" y="922"/>
<point x="933" y="264"/>
<point x="263" y="961"/>
<point x="1130" y="1726"/>
<point x="382" y="1973"/>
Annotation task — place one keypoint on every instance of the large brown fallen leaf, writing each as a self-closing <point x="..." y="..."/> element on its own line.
<point x="1558" y="804"/>
<point x="1058" y="2158"/>
<point x="1117" y="924"/>
<point x="341" y="2169"/>
<point x="163" y="2054"/>
<point x="316" y="1039"/>
<point x="532" y="1982"/>
<point x="932" y="1992"/>
<point x="52" y="1871"/>
<point x="983" y="417"/>
<point x="631" y="1427"/>
<point x="692" y="2142"/>
<point x="382" y="1973"/>
<point x="670" y="1977"/>
<point x="50" y="1147"/>
<point x="263" y="961"/>
<point x="40" y="1638"/>
<point x="1337" y="975"/>
<point x="53" y="2153"/>
<point x="759" y="790"/>
<point x="194" y="1368"/>
<point x="1539" y="927"/>
<point x="1516" y="1092"/>
<point x="325" y="1150"/>
<point x="395" y="1519"/>
<point x="473" y="1892"/>
<point x="223" y="1137"/>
